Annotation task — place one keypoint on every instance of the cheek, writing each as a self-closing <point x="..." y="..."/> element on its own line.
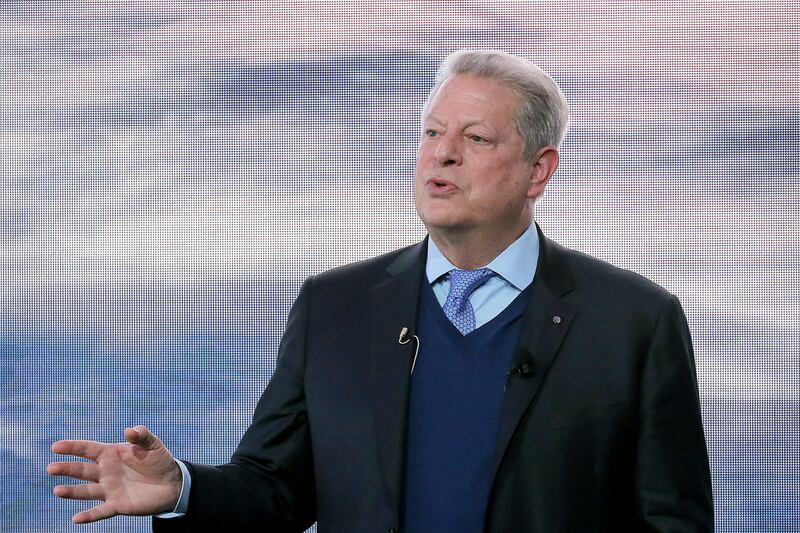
<point x="421" y="162"/>
<point x="507" y="186"/>
<point x="425" y="151"/>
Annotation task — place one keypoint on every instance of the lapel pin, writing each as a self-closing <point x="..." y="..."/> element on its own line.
<point x="556" y="319"/>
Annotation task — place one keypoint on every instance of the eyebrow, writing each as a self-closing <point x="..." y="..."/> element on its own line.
<point x="471" y="122"/>
<point x="430" y="117"/>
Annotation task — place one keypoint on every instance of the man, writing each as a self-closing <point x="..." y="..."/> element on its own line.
<point x="486" y="379"/>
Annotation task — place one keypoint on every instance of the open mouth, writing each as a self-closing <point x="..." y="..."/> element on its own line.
<point x="440" y="185"/>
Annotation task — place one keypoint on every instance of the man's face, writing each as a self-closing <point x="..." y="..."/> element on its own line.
<point x="470" y="172"/>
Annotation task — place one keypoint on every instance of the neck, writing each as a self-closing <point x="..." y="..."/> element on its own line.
<point x="469" y="250"/>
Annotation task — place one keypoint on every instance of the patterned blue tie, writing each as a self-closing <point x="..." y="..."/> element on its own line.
<point x="457" y="306"/>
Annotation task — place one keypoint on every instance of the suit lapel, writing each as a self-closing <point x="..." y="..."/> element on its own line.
<point x="545" y="325"/>
<point x="393" y="305"/>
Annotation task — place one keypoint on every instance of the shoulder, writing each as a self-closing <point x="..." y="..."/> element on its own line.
<point x="595" y="270"/>
<point x="605" y="284"/>
<point x="368" y="272"/>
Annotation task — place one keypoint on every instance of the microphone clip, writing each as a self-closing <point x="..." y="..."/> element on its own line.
<point x="520" y="370"/>
<point x="404" y="338"/>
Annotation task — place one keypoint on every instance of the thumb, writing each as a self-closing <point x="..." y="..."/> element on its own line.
<point x="142" y="437"/>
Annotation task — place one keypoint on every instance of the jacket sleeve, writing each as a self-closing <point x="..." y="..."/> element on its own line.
<point x="269" y="482"/>
<point x="673" y="480"/>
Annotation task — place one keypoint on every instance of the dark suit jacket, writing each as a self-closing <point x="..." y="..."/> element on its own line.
<point x="603" y="434"/>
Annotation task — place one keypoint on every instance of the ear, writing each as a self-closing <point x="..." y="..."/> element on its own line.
<point x="544" y="164"/>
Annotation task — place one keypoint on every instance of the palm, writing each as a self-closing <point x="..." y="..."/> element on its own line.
<point x="138" y="477"/>
<point x="133" y="477"/>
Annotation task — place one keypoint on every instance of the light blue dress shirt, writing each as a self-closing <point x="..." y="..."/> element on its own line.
<point x="515" y="268"/>
<point x="183" y="500"/>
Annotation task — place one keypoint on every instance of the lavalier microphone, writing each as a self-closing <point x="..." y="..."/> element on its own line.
<point x="405" y="339"/>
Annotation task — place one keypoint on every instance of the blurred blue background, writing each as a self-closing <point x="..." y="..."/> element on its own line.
<point x="173" y="171"/>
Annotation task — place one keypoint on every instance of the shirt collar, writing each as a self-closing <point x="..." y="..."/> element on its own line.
<point x="516" y="264"/>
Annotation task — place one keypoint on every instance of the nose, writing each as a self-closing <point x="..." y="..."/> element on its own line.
<point x="448" y="152"/>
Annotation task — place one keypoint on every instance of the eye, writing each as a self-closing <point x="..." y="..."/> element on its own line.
<point x="430" y="133"/>
<point x="477" y="138"/>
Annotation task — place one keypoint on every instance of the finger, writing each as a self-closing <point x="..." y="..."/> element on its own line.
<point x="90" y="491"/>
<point x="142" y="437"/>
<point x="88" y="449"/>
<point x="84" y="471"/>
<point x="98" y="512"/>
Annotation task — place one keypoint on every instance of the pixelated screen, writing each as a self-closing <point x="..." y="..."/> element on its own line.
<point x="173" y="171"/>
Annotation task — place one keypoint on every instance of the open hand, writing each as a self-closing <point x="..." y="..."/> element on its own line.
<point x="137" y="477"/>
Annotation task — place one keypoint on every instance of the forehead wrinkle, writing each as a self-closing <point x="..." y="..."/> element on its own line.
<point x="470" y="106"/>
<point x="465" y="123"/>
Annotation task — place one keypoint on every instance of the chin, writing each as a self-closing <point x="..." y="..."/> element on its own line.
<point x="445" y="215"/>
<point x="449" y="224"/>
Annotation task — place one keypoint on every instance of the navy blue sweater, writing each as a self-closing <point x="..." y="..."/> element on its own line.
<point x="454" y="415"/>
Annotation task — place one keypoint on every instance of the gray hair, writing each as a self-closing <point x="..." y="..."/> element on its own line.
<point x="543" y="114"/>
